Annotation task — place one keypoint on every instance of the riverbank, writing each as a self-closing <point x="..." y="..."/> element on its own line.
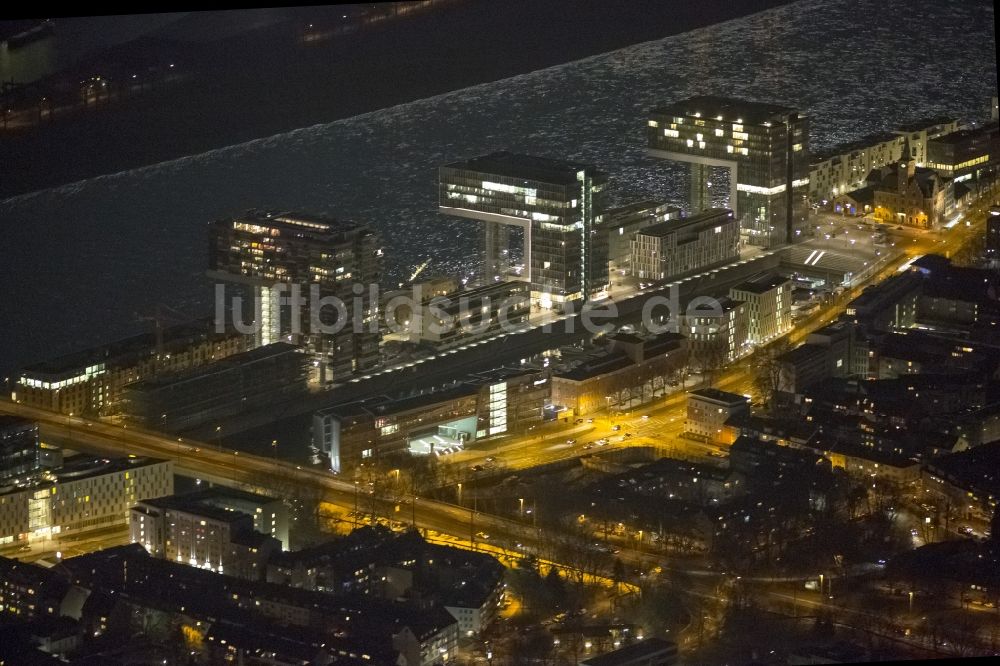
<point x="271" y="83"/>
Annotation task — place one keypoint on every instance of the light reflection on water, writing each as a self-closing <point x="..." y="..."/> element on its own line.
<point x="81" y="260"/>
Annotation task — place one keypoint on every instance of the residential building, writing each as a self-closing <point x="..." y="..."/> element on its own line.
<point x="200" y="534"/>
<point x="915" y="197"/>
<point x="19" y="451"/>
<point x="889" y="305"/>
<point x="765" y="147"/>
<point x="29" y="591"/>
<point x="966" y="481"/>
<point x="844" y="168"/>
<point x="709" y="409"/>
<point x="557" y="207"/>
<point x="622" y="225"/>
<point x="85" y="493"/>
<point x="91" y="382"/>
<point x="920" y="132"/>
<point x="717" y="331"/>
<point x="268" y="253"/>
<point x="251" y="379"/>
<point x="678" y="247"/>
<point x="836" y="350"/>
<point x="993" y="237"/>
<point x="290" y="625"/>
<point x="768" y="299"/>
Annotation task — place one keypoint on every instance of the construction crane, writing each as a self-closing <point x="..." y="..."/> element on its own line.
<point x="163" y="314"/>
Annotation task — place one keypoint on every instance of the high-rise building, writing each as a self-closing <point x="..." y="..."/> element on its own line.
<point x="557" y="206"/>
<point x="273" y="253"/>
<point x="676" y="247"/>
<point x="19" y="447"/>
<point x="765" y="148"/>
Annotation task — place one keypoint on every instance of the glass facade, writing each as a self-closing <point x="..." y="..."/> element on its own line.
<point x="559" y="205"/>
<point x="264" y="249"/>
<point x="764" y="146"/>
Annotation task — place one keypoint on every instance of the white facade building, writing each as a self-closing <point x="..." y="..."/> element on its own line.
<point x="768" y="299"/>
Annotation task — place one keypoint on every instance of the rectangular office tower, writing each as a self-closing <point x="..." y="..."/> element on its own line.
<point x="559" y="208"/>
<point x="765" y="147"/>
<point x="329" y="260"/>
<point x="19" y="449"/>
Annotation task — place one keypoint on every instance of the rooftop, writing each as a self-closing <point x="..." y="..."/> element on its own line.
<point x="127" y="350"/>
<point x="704" y="217"/>
<point x="868" y="141"/>
<point x="648" y="206"/>
<point x="720" y="396"/>
<point x="529" y="167"/>
<point x="596" y="366"/>
<point x="926" y="123"/>
<point x="966" y="134"/>
<point x="729" y="108"/>
<point x="229" y="363"/>
<point x="299" y="224"/>
<point x="761" y="284"/>
<point x="631" y="654"/>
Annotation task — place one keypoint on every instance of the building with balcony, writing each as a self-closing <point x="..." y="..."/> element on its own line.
<point x="557" y="209"/>
<point x="920" y="132"/>
<point x="270" y="255"/>
<point x="675" y="248"/>
<point x="765" y="148"/>
<point x="844" y="168"/>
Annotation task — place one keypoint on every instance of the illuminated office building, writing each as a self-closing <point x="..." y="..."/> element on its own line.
<point x="266" y="251"/>
<point x="765" y="148"/>
<point x="678" y="247"/>
<point x="558" y="207"/>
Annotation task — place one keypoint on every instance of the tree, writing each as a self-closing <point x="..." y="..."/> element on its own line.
<point x="768" y="375"/>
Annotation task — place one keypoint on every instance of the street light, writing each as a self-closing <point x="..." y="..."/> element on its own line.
<point x="521" y="501"/>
